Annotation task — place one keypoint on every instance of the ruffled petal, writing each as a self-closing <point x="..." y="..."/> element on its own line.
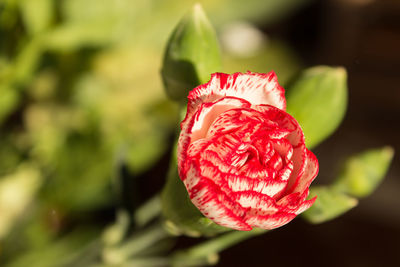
<point x="257" y="88"/>
<point x="311" y="171"/>
<point x="305" y="205"/>
<point x="213" y="202"/>
<point x="296" y="139"/>
<point x="196" y="124"/>
<point x="270" y="221"/>
<point x="208" y="112"/>
<point x="263" y="186"/>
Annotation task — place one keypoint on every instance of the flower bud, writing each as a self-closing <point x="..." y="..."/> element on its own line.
<point x="318" y="100"/>
<point x="191" y="56"/>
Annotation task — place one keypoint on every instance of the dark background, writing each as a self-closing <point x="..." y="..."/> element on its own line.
<point x="363" y="36"/>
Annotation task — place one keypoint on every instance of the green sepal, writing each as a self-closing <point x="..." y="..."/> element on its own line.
<point x="330" y="204"/>
<point x="191" y="56"/>
<point x="361" y="174"/>
<point x="318" y="101"/>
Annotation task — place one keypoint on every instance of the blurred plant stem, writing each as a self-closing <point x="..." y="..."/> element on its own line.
<point x="148" y="211"/>
<point x="138" y="243"/>
<point x="138" y="249"/>
<point x="85" y="256"/>
<point x="147" y="262"/>
<point x="206" y="253"/>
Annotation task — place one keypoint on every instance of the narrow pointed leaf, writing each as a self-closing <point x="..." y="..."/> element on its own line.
<point x="330" y="204"/>
<point x="362" y="173"/>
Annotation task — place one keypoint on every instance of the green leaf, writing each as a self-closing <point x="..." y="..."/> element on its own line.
<point x="8" y="101"/>
<point x="191" y="56"/>
<point x="318" y="101"/>
<point x="17" y="191"/>
<point x="16" y="75"/>
<point x="27" y="61"/>
<point x="79" y="160"/>
<point x="330" y="204"/>
<point x="362" y="173"/>
<point x="77" y="248"/>
<point x="70" y="37"/>
<point x="10" y="155"/>
<point x="37" y="14"/>
<point x="360" y="176"/>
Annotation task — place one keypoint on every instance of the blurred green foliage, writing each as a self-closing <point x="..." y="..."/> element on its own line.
<point x="359" y="176"/>
<point x="81" y="94"/>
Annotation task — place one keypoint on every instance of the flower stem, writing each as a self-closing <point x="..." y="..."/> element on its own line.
<point x="135" y="245"/>
<point x="148" y="262"/>
<point x="207" y="252"/>
<point x="148" y="211"/>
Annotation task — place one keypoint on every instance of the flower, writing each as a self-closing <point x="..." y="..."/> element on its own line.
<point x="241" y="157"/>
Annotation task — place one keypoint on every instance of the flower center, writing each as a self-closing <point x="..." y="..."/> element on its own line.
<point x="258" y="162"/>
<point x="245" y="143"/>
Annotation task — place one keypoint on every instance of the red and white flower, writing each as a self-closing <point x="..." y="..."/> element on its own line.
<point x="241" y="157"/>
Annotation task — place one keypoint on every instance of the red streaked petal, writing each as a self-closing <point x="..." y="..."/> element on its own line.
<point x="197" y="123"/>
<point x="305" y="205"/>
<point x="217" y="206"/>
<point x="283" y="147"/>
<point x="255" y="200"/>
<point x="270" y="221"/>
<point x="211" y="199"/>
<point x="257" y="88"/>
<point x="299" y="160"/>
<point x="290" y="202"/>
<point x="212" y="157"/>
<point x="197" y="147"/>
<point x="265" y="212"/>
<point x="263" y="186"/>
<point x="311" y="171"/>
<point x="285" y="121"/>
<point x="208" y="113"/>
<point x="296" y="139"/>
<point x="295" y="202"/>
